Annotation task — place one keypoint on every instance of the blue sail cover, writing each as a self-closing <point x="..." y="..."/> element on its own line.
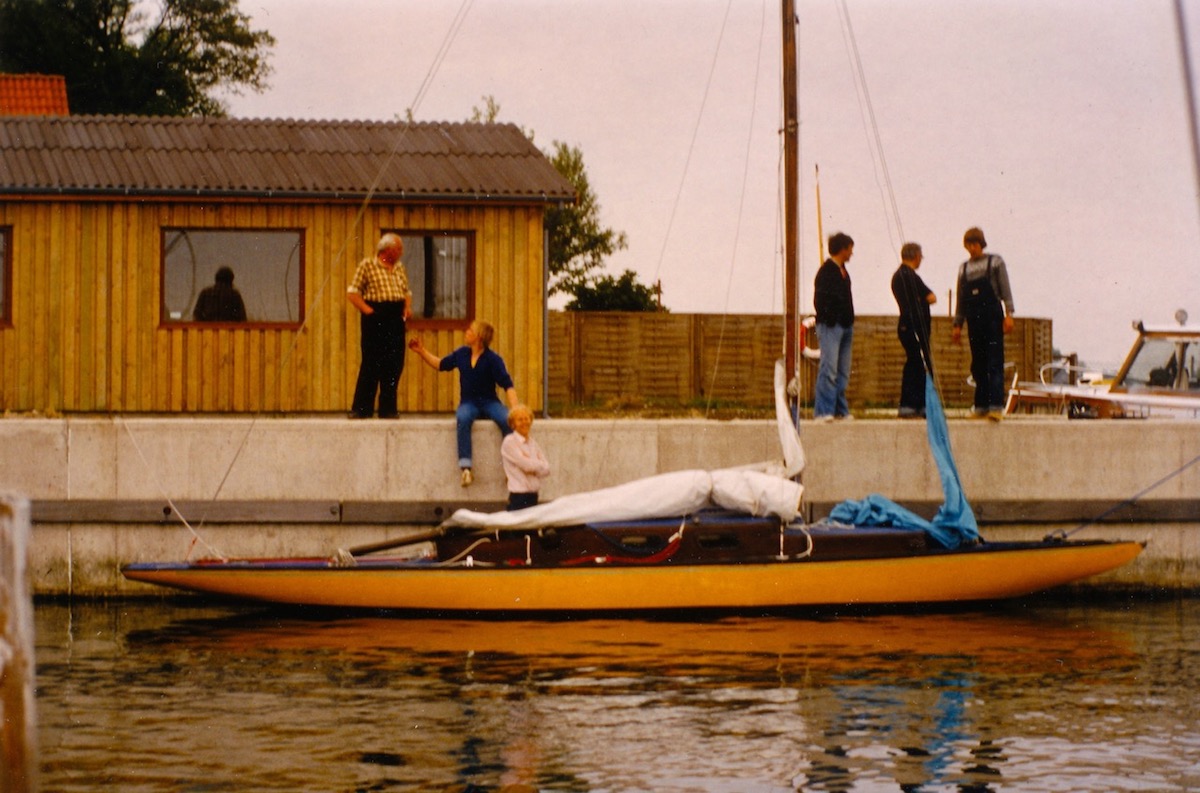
<point x="954" y="524"/>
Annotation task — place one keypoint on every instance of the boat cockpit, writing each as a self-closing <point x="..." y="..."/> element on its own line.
<point x="1163" y="360"/>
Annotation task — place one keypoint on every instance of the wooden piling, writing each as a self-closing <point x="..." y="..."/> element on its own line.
<point x="18" y="736"/>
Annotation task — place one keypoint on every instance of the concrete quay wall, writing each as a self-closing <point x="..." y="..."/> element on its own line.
<point x="106" y="491"/>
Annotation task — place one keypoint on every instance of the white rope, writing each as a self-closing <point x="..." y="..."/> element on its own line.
<point x="807" y="551"/>
<point x="678" y="535"/>
<point x="454" y="560"/>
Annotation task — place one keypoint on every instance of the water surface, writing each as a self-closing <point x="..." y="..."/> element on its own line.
<point x="1031" y="696"/>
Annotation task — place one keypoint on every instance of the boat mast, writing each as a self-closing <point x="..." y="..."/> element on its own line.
<point x="791" y="191"/>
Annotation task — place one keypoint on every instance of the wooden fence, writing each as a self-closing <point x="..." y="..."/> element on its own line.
<point x="598" y="358"/>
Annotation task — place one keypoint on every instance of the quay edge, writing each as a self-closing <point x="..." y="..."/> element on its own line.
<point x="104" y="490"/>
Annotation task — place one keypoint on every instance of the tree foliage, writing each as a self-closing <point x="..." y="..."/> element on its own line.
<point x="605" y="293"/>
<point x="578" y="241"/>
<point x="166" y="57"/>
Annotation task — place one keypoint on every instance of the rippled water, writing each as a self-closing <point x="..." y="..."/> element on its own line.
<point x="1033" y="696"/>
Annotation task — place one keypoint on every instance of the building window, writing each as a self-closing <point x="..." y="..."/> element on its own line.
<point x="5" y="275"/>
<point x="440" y="267"/>
<point x="266" y="268"/>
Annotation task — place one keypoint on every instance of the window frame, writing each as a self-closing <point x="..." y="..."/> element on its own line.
<point x="444" y="323"/>
<point x="165" y="322"/>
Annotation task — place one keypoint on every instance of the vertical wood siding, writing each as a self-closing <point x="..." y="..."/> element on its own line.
<point x="86" y="286"/>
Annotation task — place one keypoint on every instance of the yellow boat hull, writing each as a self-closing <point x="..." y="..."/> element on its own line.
<point x="932" y="578"/>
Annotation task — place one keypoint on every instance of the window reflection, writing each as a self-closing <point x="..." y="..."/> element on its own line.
<point x="263" y="266"/>
<point x="438" y="266"/>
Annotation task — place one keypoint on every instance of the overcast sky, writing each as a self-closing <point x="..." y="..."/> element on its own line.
<point x="1058" y="126"/>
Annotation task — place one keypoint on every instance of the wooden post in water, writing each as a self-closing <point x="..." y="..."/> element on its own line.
<point x="18" y="737"/>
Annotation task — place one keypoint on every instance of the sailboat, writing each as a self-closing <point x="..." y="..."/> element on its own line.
<point x="726" y="539"/>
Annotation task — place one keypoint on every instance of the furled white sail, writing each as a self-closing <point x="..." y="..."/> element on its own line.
<point x="661" y="496"/>
<point x="762" y="489"/>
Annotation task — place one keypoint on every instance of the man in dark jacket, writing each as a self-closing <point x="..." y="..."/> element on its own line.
<point x="914" y="299"/>
<point x="835" y="330"/>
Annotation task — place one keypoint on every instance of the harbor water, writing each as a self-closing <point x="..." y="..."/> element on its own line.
<point x="1036" y="695"/>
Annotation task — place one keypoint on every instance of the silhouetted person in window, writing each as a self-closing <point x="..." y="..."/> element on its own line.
<point x="220" y="302"/>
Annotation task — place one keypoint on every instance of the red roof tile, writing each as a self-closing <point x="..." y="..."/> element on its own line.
<point x="33" y="95"/>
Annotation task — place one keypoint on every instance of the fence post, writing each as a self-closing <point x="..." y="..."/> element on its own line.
<point x="18" y="737"/>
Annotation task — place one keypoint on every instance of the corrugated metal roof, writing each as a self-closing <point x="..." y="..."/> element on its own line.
<point x="258" y="157"/>
<point x="33" y="95"/>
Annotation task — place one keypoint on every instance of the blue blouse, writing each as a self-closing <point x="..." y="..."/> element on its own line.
<point x="478" y="383"/>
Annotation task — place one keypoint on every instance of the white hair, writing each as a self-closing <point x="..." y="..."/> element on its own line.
<point x="389" y="241"/>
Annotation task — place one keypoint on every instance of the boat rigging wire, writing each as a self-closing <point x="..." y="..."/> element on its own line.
<point x="604" y="456"/>
<point x="820" y="222"/>
<point x="1188" y="86"/>
<point x="439" y="58"/>
<point x="737" y="229"/>
<point x="871" y="126"/>
<point x="1060" y="535"/>
<point x="778" y="276"/>
<point x="196" y="538"/>
<point x="883" y="178"/>
<point x="692" y="145"/>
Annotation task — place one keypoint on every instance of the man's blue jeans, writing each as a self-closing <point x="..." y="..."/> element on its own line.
<point x="833" y="374"/>
<point x="467" y="414"/>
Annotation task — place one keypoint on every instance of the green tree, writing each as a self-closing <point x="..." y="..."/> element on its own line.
<point x="578" y="241"/>
<point x="120" y="59"/>
<point x="605" y="293"/>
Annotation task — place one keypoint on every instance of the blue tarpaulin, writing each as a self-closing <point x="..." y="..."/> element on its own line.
<point x="954" y="524"/>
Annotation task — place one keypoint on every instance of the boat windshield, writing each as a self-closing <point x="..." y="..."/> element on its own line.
<point x="1165" y="363"/>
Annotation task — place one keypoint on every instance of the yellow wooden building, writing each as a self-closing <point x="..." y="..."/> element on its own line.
<point x="110" y="227"/>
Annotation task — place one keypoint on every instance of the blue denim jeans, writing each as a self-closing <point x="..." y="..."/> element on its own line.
<point x="833" y="374"/>
<point x="467" y="414"/>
